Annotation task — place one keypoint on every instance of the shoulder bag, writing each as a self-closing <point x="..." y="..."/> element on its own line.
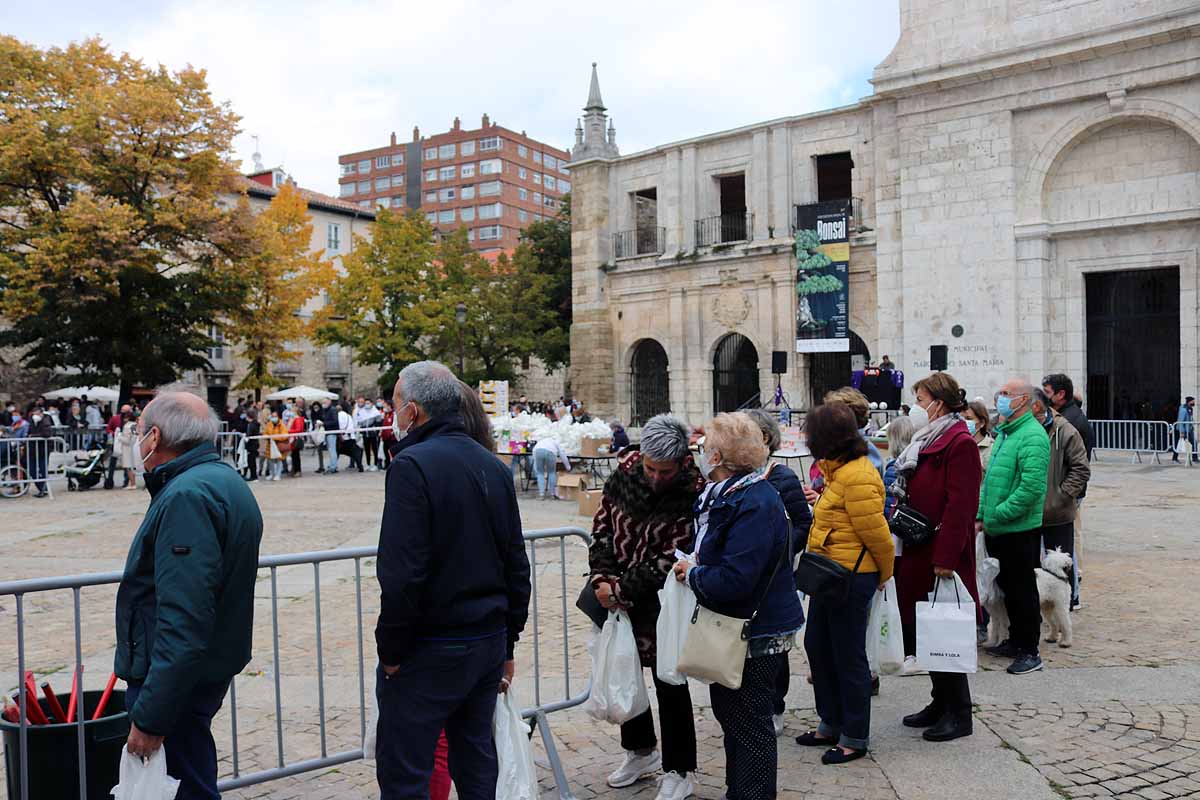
<point x="911" y="526"/>
<point x="821" y="576"/>
<point x="716" y="645"/>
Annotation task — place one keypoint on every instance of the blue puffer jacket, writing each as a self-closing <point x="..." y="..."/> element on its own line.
<point x="747" y="532"/>
<point x="791" y="492"/>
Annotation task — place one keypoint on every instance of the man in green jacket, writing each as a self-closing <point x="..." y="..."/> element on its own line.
<point x="185" y="606"/>
<point x="1010" y="514"/>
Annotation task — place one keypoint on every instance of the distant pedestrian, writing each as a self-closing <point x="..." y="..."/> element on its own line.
<point x="275" y="446"/>
<point x="1185" y="428"/>
<point x="979" y="425"/>
<point x="253" y="443"/>
<point x="547" y="455"/>
<point x="185" y="606"/>
<point x="331" y="416"/>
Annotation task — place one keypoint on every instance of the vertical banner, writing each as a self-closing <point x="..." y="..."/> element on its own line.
<point x="823" y="284"/>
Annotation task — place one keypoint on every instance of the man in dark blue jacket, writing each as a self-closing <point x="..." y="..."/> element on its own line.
<point x="454" y="581"/>
<point x="185" y="606"/>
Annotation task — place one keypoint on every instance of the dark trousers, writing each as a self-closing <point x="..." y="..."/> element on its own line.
<point x="252" y="465"/>
<point x="112" y="470"/>
<point x="1062" y="536"/>
<point x="678" y="728"/>
<point x="783" y="682"/>
<point x="440" y="686"/>
<point x="836" y="643"/>
<point x="951" y="693"/>
<point x="347" y="447"/>
<point x="295" y="459"/>
<point x="371" y="445"/>
<point x="751" y="752"/>
<point x="1019" y="555"/>
<point x="191" y="752"/>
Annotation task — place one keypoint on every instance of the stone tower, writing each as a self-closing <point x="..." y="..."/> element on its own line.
<point x="593" y="359"/>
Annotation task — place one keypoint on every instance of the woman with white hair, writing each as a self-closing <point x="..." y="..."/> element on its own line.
<point x="645" y="515"/>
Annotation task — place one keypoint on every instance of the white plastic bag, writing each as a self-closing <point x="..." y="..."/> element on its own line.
<point x="372" y="728"/>
<point x="946" y="629"/>
<point x="145" y="781"/>
<point x="678" y="602"/>
<point x="618" y="687"/>
<point x="514" y="752"/>
<point x="885" y="636"/>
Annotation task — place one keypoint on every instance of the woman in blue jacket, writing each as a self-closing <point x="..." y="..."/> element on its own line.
<point x="741" y="568"/>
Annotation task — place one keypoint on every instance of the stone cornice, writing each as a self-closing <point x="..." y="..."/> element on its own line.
<point x="1051" y="230"/>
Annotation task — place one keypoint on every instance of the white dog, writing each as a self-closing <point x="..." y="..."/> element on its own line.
<point x="1054" y="589"/>
<point x="1054" y="592"/>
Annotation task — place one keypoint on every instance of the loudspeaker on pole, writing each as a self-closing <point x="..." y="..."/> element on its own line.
<point x="939" y="356"/>
<point x="778" y="362"/>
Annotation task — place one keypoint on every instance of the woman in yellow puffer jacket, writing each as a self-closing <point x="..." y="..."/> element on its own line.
<point x="849" y="528"/>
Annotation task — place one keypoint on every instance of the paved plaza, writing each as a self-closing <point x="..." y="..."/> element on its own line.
<point x="1117" y="715"/>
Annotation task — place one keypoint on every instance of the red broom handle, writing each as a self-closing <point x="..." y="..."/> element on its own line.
<point x="52" y="700"/>
<point x="33" y="709"/>
<point x="74" y="703"/>
<point x="108" y="690"/>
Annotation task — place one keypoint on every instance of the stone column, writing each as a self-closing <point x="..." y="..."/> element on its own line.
<point x="593" y="356"/>
<point x="1033" y="309"/>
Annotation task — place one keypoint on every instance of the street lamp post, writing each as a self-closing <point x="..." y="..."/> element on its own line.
<point x="460" y="316"/>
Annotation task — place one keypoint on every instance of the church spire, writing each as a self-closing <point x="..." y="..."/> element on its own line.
<point x="598" y="140"/>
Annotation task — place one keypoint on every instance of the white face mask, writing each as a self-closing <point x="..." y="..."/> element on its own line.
<point x="141" y="459"/>
<point x="919" y="418"/>
<point x="706" y="466"/>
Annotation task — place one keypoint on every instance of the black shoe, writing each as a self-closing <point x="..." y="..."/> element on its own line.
<point x="1005" y="649"/>
<point x="950" y="726"/>
<point x="839" y="756"/>
<point x="1025" y="664"/>
<point x="41" y="494"/>
<point x="927" y="717"/>
<point x="875" y="686"/>
<point x="812" y="739"/>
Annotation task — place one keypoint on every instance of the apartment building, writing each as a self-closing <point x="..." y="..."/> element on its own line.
<point x="491" y="180"/>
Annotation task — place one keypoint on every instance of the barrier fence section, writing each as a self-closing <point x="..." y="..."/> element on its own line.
<point x="31" y="461"/>
<point x="1133" y="436"/>
<point x="539" y="712"/>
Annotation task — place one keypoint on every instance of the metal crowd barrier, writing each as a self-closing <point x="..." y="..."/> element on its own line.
<point x="539" y="712"/>
<point x="1133" y="436"/>
<point x="83" y="438"/>
<point x="29" y="461"/>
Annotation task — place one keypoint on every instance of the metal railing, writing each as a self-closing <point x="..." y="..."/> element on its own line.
<point x="640" y="242"/>
<point x="83" y="438"/>
<point x="31" y="461"/>
<point x="539" y="712"/>
<point x="724" y="229"/>
<point x="1133" y="436"/>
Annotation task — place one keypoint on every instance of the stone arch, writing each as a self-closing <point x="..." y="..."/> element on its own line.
<point x="736" y="371"/>
<point x="1030" y="207"/>
<point x="649" y="380"/>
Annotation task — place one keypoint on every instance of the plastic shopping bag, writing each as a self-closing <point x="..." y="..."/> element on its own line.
<point x="618" y="688"/>
<point x="946" y="629"/>
<point x="514" y="752"/>
<point x="678" y="602"/>
<point x="146" y="780"/>
<point x="885" y="636"/>
<point x="372" y="727"/>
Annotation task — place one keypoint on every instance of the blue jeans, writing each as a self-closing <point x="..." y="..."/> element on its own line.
<point x="331" y="440"/>
<point x="545" y="469"/>
<point x="191" y="752"/>
<point x="440" y="685"/>
<point x="836" y="642"/>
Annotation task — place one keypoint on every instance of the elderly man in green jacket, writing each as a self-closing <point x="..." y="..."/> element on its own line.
<point x="185" y="607"/>
<point x="1010" y="514"/>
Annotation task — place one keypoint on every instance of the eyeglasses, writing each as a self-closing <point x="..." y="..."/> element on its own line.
<point x="1003" y="393"/>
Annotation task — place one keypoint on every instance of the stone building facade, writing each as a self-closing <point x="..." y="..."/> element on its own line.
<point x="1024" y="188"/>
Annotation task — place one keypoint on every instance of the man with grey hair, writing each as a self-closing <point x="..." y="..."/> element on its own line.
<point x="185" y="606"/>
<point x="645" y="515"/>
<point x="1010" y="514"/>
<point x="454" y="581"/>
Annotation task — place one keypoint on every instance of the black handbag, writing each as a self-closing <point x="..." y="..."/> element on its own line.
<point x="820" y="576"/>
<point x="589" y="605"/>
<point x="911" y="526"/>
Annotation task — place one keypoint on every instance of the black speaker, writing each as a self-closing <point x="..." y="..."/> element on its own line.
<point x="779" y="362"/>
<point x="939" y="355"/>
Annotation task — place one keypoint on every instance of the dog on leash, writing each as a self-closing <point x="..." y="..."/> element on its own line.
<point x="1054" y="591"/>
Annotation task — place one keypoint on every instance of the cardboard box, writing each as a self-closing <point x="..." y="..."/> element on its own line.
<point x="591" y="446"/>
<point x="589" y="502"/>
<point x="571" y="485"/>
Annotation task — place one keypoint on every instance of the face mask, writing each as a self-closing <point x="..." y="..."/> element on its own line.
<point x="706" y="466"/>
<point x="1049" y="418"/>
<point x="1004" y="406"/>
<point x="971" y="426"/>
<point x="919" y="418"/>
<point x="379" y="406"/>
<point x="141" y="459"/>
<point x="399" y="434"/>
<point x="37" y="418"/>
<point x="274" y="419"/>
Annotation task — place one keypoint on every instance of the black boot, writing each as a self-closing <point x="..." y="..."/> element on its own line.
<point x="951" y="726"/>
<point x="925" y="718"/>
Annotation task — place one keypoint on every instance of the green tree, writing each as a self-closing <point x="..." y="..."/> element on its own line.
<point x="115" y="255"/>
<point x="282" y="275"/>
<point x="386" y="304"/>
<point x="549" y="243"/>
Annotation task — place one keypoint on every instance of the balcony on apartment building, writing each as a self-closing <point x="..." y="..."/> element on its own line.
<point x="725" y="229"/>
<point x="649" y="241"/>
<point x="804" y="216"/>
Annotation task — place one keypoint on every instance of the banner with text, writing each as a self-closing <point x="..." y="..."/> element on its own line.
<point x="823" y="285"/>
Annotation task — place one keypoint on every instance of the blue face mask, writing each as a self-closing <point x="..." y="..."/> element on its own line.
<point x="1004" y="406"/>
<point x="971" y="426"/>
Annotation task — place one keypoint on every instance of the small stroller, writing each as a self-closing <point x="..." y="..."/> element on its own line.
<point x="87" y="471"/>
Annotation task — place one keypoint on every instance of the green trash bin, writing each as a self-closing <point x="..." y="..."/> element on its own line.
<point x="53" y="760"/>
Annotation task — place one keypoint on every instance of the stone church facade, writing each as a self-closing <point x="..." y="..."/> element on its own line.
<point x="1023" y="187"/>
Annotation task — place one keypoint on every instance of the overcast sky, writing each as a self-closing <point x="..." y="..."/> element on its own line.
<point x="316" y="79"/>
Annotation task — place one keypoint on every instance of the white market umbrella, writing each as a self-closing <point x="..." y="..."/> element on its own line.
<point x="306" y="393"/>
<point x="101" y="393"/>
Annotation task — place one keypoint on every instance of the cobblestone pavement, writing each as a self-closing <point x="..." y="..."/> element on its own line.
<point x="1099" y="722"/>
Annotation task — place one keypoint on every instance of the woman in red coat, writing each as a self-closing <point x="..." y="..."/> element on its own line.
<point x="939" y="475"/>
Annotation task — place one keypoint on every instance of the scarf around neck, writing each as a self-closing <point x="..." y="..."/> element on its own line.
<point x="906" y="462"/>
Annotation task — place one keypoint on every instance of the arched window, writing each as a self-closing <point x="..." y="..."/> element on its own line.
<point x="735" y="374"/>
<point x="828" y="371"/>
<point x="649" y="382"/>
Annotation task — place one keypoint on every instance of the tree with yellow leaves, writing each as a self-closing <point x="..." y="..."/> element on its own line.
<point x="281" y="277"/>
<point x="116" y="254"/>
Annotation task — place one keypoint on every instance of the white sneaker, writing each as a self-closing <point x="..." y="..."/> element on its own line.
<point x="635" y="768"/>
<point x="674" y="786"/>
<point x="911" y="668"/>
<point x="778" y="719"/>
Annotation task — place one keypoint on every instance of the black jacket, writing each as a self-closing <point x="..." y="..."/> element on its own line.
<point x="329" y="416"/>
<point x="252" y="429"/>
<point x="452" y="561"/>
<point x="791" y="491"/>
